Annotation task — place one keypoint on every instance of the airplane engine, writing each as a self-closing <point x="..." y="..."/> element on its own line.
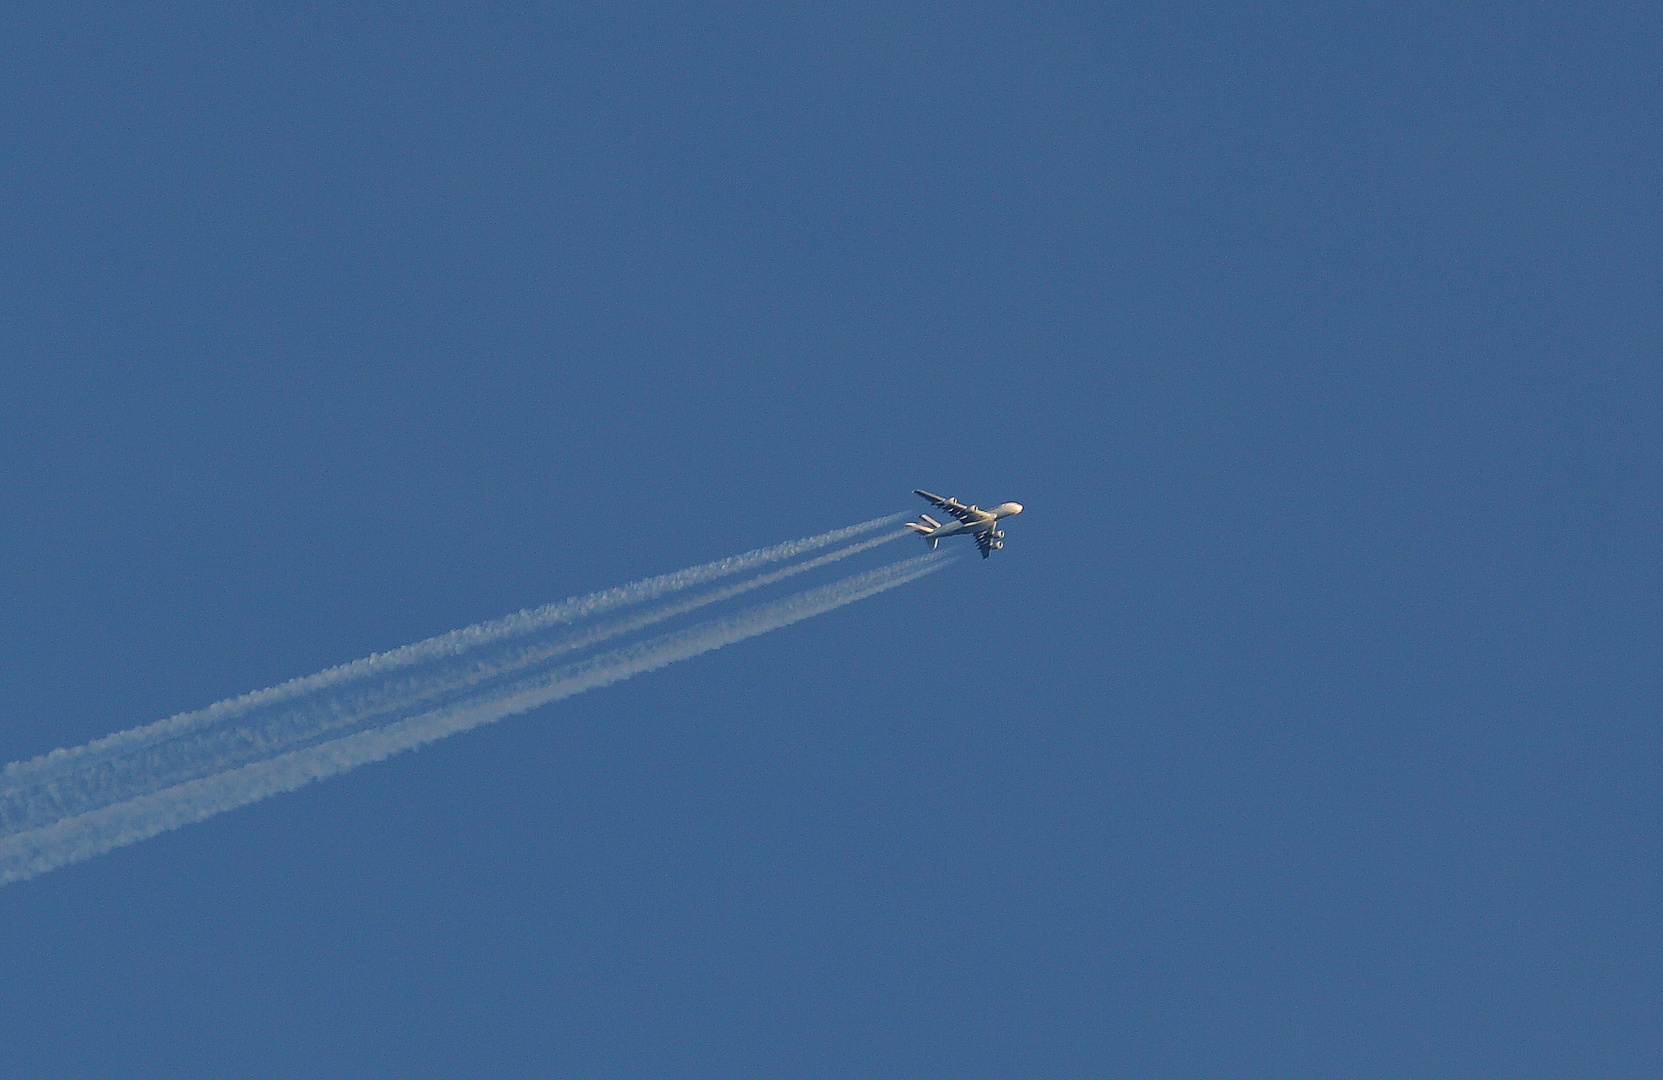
<point x="998" y="534"/>
<point x="998" y="544"/>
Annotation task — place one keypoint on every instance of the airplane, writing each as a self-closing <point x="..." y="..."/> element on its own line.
<point x="982" y="524"/>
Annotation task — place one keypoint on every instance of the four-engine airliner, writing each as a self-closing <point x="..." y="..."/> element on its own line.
<point x="982" y="524"/>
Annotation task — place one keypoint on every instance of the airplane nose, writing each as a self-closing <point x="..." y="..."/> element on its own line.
<point x="1016" y="508"/>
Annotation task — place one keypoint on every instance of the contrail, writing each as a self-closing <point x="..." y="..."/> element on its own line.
<point x="146" y="812"/>
<point x="80" y="784"/>
<point x="36" y="770"/>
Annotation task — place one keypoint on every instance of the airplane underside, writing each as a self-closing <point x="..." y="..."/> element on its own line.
<point x="995" y="538"/>
<point x="971" y="520"/>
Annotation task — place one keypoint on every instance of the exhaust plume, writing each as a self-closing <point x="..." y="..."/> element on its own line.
<point x="76" y="804"/>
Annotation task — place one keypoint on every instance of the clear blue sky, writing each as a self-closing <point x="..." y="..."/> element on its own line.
<point x="1308" y="726"/>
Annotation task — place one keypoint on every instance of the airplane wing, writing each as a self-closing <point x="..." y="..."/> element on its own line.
<point x="954" y="507"/>
<point x="984" y="542"/>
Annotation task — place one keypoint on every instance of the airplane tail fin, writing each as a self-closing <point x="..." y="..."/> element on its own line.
<point x="925" y="531"/>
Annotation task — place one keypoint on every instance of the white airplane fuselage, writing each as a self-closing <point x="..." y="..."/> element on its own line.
<point x="953" y="528"/>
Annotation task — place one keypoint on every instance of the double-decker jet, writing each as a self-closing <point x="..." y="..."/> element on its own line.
<point x="982" y="524"/>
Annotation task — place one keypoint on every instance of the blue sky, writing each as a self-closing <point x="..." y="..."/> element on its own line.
<point x="1307" y="726"/>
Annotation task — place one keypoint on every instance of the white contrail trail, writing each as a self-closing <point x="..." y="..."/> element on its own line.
<point x="26" y="854"/>
<point x="80" y="785"/>
<point x="36" y="770"/>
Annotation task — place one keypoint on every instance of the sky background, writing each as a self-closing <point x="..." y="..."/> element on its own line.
<point x="1307" y="726"/>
